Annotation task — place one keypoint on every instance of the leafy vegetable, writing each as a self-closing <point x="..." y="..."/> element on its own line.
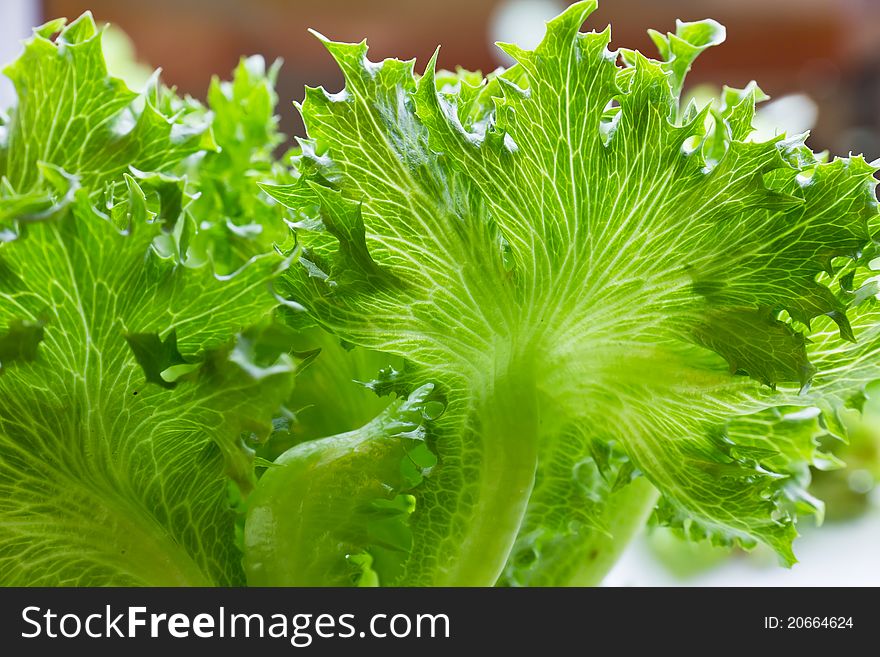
<point x="847" y="491"/>
<point x="527" y="310"/>
<point x="844" y="484"/>
<point x="332" y="393"/>
<point x="130" y="380"/>
<point x="237" y="221"/>
<point x="603" y="287"/>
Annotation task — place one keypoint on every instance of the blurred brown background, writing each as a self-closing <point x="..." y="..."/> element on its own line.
<point x="826" y="49"/>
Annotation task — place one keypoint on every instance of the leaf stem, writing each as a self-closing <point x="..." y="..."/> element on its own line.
<point x="626" y="513"/>
<point x="509" y="429"/>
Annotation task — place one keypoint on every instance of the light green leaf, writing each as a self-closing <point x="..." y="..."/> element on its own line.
<point x="568" y="247"/>
<point x="351" y="494"/>
<point x="237" y="220"/>
<point x="72" y="114"/>
<point x="130" y="383"/>
<point x="109" y="474"/>
<point x="337" y="389"/>
<point x="587" y="503"/>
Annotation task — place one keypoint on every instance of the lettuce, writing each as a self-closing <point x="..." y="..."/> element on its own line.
<point x="473" y="330"/>
<point x="131" y="376"/>
<point x="612" y="297"/>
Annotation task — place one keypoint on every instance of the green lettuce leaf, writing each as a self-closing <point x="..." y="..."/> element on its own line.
<point x="358" y="517"/>
<point x="562" y="250"/>
<point x="335" y="391"/>
<point x="73" y="115"/>
<point x="236" y="219"/>
<point x="132" y="381"/>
